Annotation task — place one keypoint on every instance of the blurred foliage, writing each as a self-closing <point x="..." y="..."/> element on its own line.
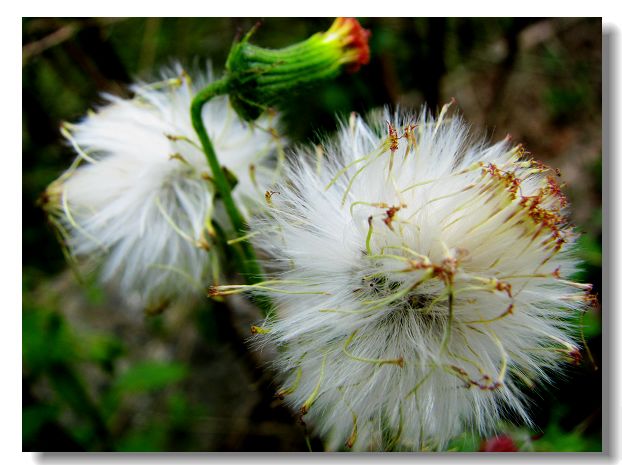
<point x="95" y="378"/>
<point x="553" y="438"/>
<point x="78" y="416"/>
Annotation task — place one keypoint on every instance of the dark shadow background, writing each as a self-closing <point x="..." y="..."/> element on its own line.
<point x="97" y="378"/>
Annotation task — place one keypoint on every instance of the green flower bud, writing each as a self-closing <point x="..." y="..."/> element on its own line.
<point x="258" y="77"/>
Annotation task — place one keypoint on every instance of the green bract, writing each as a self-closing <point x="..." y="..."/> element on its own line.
<point x="258" y="77"/>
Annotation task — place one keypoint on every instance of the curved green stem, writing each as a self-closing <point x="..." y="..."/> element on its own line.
<point x="250" y="265"/>
<point x="218" y="174"/>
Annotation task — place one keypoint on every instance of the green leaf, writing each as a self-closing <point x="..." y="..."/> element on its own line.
<point x="557" y="440"/>
<point x="591" y="324"/>
<point x="46" y="339"/>
<point x="466" y="442"/>
<point x="34" y="417"/>
<point x="590" y="250"/>
<point x="103" y="349"/>
<point x="149" y="440"/>
<point x="150" y="376"/>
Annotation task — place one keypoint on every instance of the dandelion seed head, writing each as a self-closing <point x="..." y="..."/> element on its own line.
<point x="423" y="282"/>
<point x="140" y="200"/>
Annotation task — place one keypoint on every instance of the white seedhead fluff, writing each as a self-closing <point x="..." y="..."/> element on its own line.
<point x="423" y="278"/>
<point x="139" y="197"/>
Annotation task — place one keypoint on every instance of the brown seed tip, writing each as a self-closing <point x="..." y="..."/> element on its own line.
<point x="591" y="299"/>
<point x="393" y="138"/>
<point x="575" y="356"/>
<point x="258" y="330"/>
<point x="269" y="195"/>
<point x="213" y="291"/>
<point x="203" y="244"/>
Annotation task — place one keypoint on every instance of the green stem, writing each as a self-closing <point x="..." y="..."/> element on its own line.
<point x="218" y="174"/>
<point x="250" y="265"/>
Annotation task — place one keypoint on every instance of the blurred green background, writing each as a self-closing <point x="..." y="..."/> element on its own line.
<point x="96" y="377"/>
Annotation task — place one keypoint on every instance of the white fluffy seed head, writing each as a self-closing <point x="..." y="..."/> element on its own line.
<point x="422" y="282"/>
<point x="142" y="201"/>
